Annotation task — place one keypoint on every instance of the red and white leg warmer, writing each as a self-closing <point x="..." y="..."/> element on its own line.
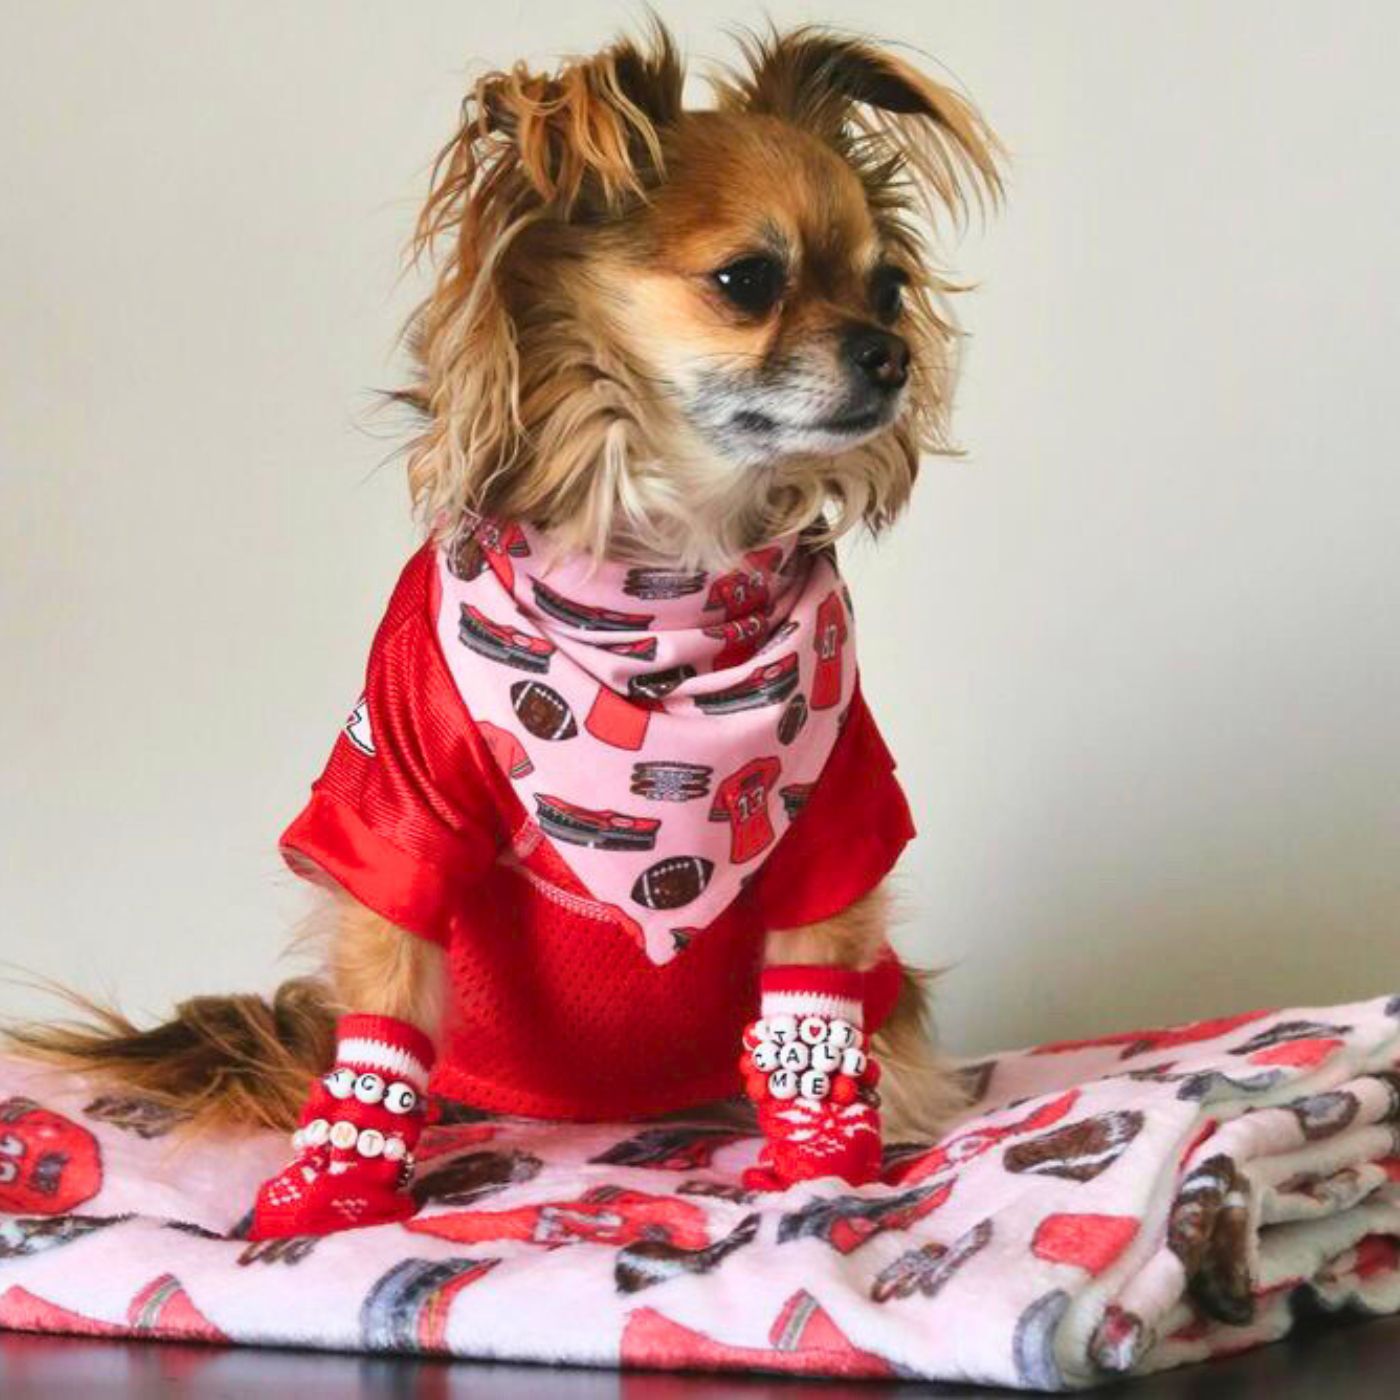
<point x="354" y="1148"/>
<point x="807" y="1067"/>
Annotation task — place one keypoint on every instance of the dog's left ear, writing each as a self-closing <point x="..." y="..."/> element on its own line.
<point x="879" y="111"/>
<point x="575" y="146"/>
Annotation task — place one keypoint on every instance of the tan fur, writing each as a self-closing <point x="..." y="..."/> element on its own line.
<point x="853" y="938"/>
<point x="564" y="353"/>
<point x="377" y="968"/>
<point x="919" y="1088"/>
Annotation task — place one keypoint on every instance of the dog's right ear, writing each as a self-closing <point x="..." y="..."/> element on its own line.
<point x="584" y="140"/>
<point x="579" y="145"/>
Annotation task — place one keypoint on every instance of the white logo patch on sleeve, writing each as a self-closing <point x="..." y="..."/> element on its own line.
<point x="357" y="728"/>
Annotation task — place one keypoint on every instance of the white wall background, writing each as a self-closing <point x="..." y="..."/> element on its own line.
<point x="1138" y="655"/>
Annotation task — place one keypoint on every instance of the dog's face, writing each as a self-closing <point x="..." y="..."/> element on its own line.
<point x="676" y="333"/>
<point x="759" y="293"/>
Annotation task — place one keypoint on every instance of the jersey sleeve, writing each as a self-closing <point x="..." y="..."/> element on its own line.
<point x="848" y="836"/>
<point x="403" y="817"/>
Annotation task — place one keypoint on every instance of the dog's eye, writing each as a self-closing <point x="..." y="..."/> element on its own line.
<point x="887" y="292"/>
<point x="753" y="284"/>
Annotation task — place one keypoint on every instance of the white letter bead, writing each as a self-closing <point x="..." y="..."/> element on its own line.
<point x="371" y="1142"/>
<point x="826" y="1057"/>
<point x="793" y="1055"/>
<point x="842" y="1034"/>
<point x="815" y="1085"/>
<point x="394" y="1149"/>
<point x="316" y="1132"/>
<point x="344" y="1134"/>
<point x="340" y="1083"/>
<point x="400" y="1098"/>
<point x="782" y="1029"/>
<point x="762" y="1030"/>
<point x="298" y="1140"/>
<point x="853" y="1062"/>
<point x="812" y="1029"/>
<point x="369" y="1088"/>
<point x="783" y="1084"/>
<point x="765" y="1056"/>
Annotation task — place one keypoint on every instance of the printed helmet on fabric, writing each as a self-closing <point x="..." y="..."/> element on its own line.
<point x="49" y="1165"/>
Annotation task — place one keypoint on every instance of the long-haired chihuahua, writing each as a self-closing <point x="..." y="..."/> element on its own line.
<point x="607" y="832"/>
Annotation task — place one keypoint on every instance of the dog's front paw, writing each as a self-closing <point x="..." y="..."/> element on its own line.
<point x="807" y="1139"/>
<point x="325" y="1189"/>
<point x="807" y="1067"/>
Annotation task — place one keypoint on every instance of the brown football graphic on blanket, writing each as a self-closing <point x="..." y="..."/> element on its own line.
<point x="542" y="710"/>
<point x="147" y="1118"/>
<point x="465" y="1180"/>
<point x="686" y="1147"/>
<point x="1079" y="1151"/>
<point x="647" y="1262"/>
<point x="673" y="882"/>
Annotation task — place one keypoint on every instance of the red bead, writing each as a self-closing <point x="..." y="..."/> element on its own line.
<point x="843" y="1090"/>
<point x="756" y="1086"/>
<point x="871" y="1074"/>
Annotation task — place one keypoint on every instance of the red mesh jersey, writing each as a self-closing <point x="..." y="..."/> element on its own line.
<point x="556" y="1011"/>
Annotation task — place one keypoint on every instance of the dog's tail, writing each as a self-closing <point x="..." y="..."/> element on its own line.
<point x="219" y="1062"/>
<point x="920" y="1090"/>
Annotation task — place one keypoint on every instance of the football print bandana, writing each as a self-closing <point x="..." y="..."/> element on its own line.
<point x="663" y="727"/>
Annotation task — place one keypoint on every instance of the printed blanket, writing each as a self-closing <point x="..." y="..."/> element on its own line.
<point x="1115" y="1205"/>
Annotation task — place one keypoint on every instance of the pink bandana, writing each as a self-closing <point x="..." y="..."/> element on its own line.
<point x="663" y="728"/>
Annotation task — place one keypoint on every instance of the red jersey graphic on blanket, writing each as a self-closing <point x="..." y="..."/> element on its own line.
<point x="548" y="776"/>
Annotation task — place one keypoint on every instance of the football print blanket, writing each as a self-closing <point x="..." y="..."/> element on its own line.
<point x="1108" y="1206"/>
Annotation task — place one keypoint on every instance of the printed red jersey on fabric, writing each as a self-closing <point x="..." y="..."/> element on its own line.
<point x="556" y="1010"/>
<point x="742" y="800"/>
<point x="829" y="644"/>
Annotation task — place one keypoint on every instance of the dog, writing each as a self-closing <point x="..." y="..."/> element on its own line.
<point x="612" y="788"/>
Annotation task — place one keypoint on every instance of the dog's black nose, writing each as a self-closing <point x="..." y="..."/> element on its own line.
<point x="883" y="358"/>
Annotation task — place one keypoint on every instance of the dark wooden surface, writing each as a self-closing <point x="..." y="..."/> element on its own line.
<point x="1349" y="1361"/>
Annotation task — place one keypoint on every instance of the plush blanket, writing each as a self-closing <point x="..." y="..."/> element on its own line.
<point x="1114" y="1205"/>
